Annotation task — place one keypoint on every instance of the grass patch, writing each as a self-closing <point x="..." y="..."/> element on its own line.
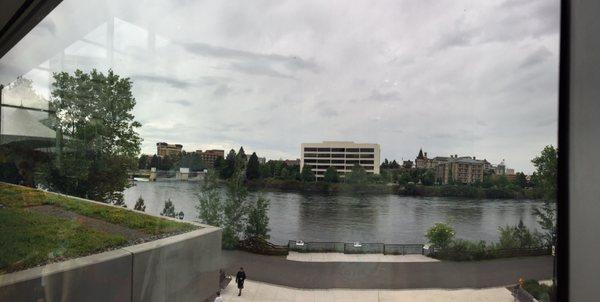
<point x="21" y="197"/>
<point x="30" y="239"/>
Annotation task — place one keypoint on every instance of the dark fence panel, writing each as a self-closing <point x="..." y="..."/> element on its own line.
<point x="402" y="249"/>
<point x="363" y="248"/>
<point x="354" y="248"/>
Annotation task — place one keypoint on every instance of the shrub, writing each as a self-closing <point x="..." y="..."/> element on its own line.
<point x="518" y="237"/>
<point x="440" y="235"/>
<point x="465" y="250"/>
<point x="139" y="205"/>
<point x="537" y="290"/>
<point x="169" y="209"/>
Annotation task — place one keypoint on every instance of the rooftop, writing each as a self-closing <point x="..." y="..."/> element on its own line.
<point x="41" y="227"/>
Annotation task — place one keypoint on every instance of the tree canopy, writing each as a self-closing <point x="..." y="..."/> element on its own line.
<point x="96" y="134"/>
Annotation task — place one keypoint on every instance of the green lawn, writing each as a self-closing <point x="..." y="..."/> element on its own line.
<point x="29" y="239"/>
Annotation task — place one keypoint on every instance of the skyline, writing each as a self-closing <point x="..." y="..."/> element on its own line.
<point x="465" y="78"/>
<point x="248" y="152"/>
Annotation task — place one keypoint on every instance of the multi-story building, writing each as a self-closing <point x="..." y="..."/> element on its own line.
<point x="424" y="162"/>
<point x="341" y="155"/>
<point x="209" y="157"/>
<point x="460" y="169"/>
<point x="163" y="149"/>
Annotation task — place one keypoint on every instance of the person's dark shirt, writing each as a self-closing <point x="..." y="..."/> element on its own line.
<point x="240" y="277"/>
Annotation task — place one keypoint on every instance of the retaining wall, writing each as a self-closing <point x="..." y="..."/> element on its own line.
<point x="184" y="267"/>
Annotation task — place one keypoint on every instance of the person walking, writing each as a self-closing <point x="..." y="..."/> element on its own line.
<point x="239" y="279"/>
<point x="218" y="298"/>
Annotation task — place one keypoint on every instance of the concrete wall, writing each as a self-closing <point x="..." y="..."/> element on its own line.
<point x="184" y="267"/>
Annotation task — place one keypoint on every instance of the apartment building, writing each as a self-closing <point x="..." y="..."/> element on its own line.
<point x="163" y="149"/>
<point x="209" y="157"/>
<point x="460" y="169"/>
<point x="341" y="155"/>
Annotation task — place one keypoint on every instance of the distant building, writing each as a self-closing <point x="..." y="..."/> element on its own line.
<point x="510" y="171"/>
<point x="341" y="155"/>
<point x="292" y="162"/>
<point x="209" y="157"/>
<point x="500" y="169"/>
<point x="163" y="149"/>
<point x="424" y="162"/>
<point x="464" y="170"/>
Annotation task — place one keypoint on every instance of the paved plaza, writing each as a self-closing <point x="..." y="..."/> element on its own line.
<point x="341" y="257"/>
<point x="259" y="291"/>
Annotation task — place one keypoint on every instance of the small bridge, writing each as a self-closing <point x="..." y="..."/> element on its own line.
<point x="184" y="174"/>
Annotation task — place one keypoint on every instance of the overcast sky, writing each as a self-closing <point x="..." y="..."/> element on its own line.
<point x="477" y="78"/>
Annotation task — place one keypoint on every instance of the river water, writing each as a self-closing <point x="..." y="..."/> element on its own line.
<point x="370" y="218"/>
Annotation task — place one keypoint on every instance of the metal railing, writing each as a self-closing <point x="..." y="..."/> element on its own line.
<point x="355" y="248"/>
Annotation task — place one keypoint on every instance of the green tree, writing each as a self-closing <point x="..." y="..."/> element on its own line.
<point x="357" y="175"/>
<point x="519" y="236"/>
<point x="241" y="160"/>
<point x="440" y="235"/>
<point x="234" y="211"/>
<point x="385" y="164"/>
<point x="139" y="204"/>
<point x="209" y="206"/>
<point x="546" y="177"/>
<point x="546" y="172"/>
<point x="285" y="173"/>
<point x="258" y="219"/>
<point x="404" y="178"/>
<point x="307" y="174"/>
<point x="428" y="178"/>
<point x="168" y="209"/>
<point x="100" y="145"/>
<point x="143" y="162"/>
<point x="520" y="180"/>
<point x="228" y="168"/>
<point x="394" y="165"/>
<point x="252" y="170"/>
<point x="265" y="171"/>
<point x="331" y="175"/>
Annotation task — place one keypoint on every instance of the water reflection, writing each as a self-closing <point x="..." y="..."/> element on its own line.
<point x="375" y="218"/>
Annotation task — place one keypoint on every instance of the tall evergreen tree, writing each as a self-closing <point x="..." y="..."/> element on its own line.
<point x="252" y="170"/>
<point x="229" y="166"/>
<point x="241" y="160"/>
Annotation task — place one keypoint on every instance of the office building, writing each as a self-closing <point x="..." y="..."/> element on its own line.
<point x="341" y="155"/>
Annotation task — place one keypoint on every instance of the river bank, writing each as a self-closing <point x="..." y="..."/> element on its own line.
<point x="415" y="190"/>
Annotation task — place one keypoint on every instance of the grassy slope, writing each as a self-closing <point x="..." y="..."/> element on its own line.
<point x="28" y="239"/>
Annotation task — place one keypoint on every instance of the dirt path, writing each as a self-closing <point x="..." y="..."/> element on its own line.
<point x="96" y="224"/>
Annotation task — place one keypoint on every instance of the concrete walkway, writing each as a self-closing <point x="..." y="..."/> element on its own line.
<point x="341" y="257"/>
<point x="387" y="275"/>
<point x="259" y="291"/>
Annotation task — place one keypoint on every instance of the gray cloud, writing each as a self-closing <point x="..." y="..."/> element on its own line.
<point x="538" y="57"/>
<point x="184" y="103"/>
<point x="162" y="80"/>
<point x="290" y="62"/>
